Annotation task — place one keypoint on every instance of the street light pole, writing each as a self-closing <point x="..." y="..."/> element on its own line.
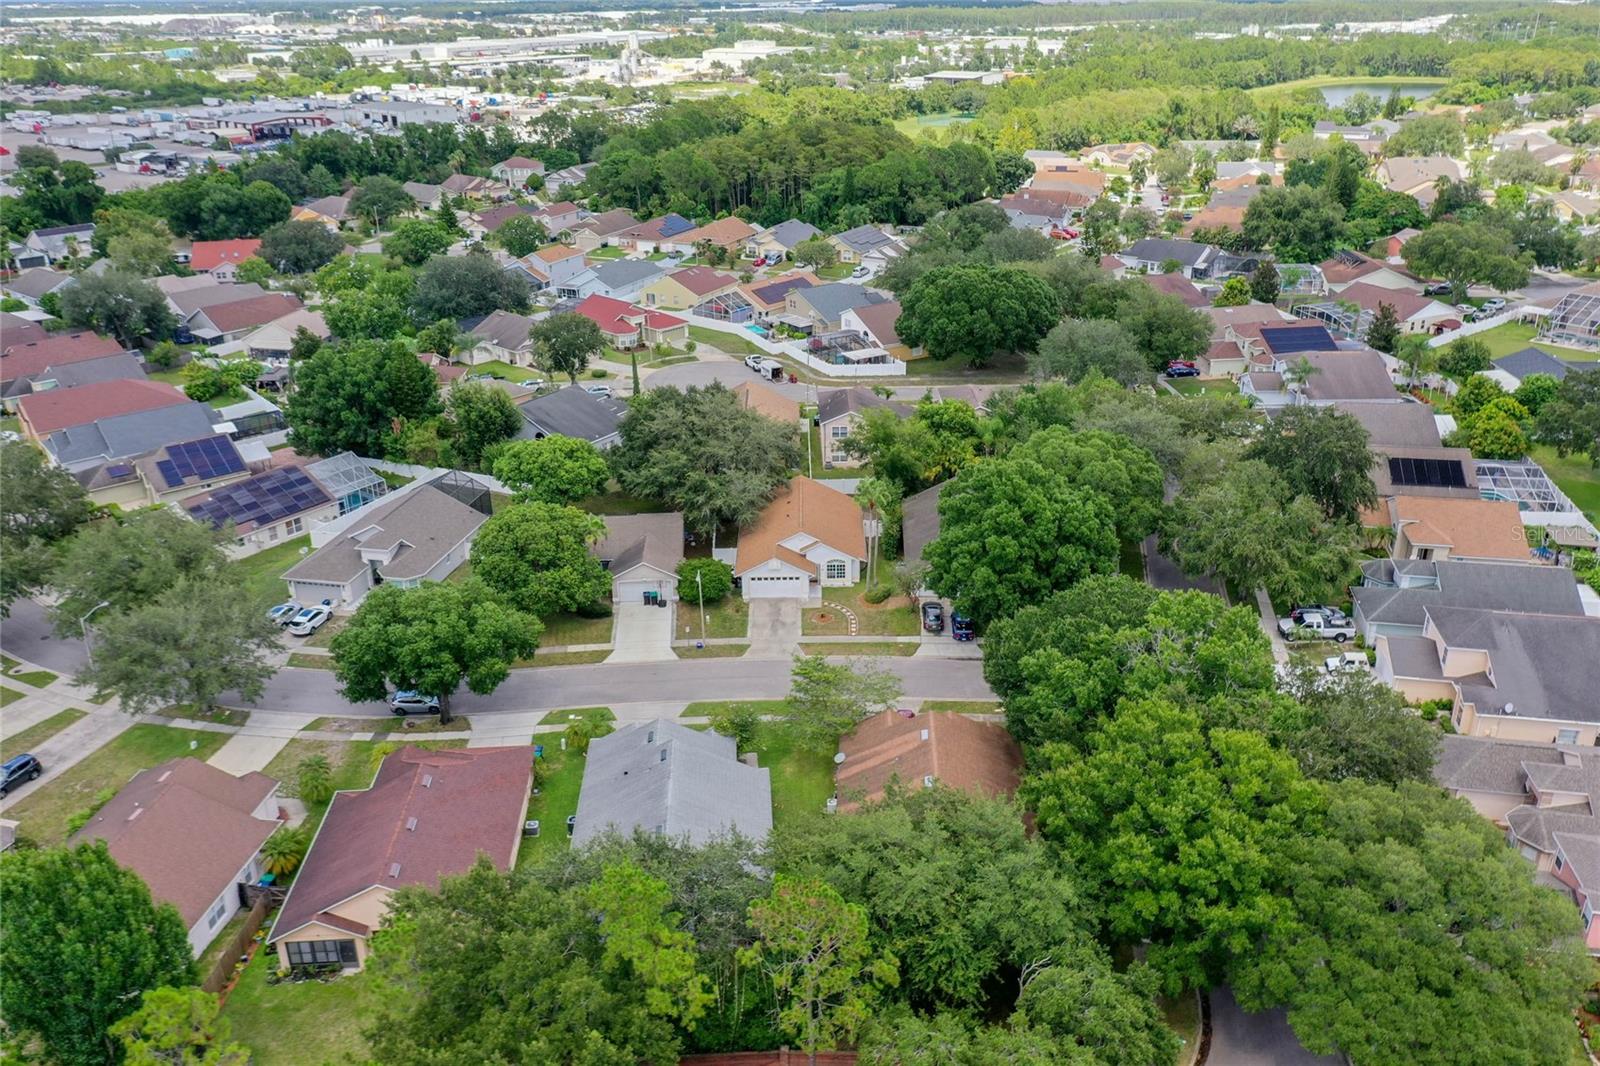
<point x="700" y="586"/>
<point x="83" y="624"/>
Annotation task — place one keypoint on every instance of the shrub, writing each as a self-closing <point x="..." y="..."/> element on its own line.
<point x="81" y="819"/>
<point x="597" y="609"/>
<point x="597" y="373"/>
<point x="716" y="580"/>
<point x="877" y="593"/>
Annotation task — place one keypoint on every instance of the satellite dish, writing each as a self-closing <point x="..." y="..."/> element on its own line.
<point x="839" y="758"/>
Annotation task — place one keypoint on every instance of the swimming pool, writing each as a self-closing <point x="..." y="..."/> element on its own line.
<point x="760" y="331"/>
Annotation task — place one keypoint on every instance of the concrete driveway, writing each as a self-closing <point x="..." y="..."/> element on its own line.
<point x="641" y="634"/>
<point x="774" y="628"/>
<point x="1265" y="1039"/>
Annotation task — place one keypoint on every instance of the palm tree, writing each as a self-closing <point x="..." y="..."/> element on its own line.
<point x="282" y="852"/>
<point x="1298" y="373"/>
<point x="313" y="779"/>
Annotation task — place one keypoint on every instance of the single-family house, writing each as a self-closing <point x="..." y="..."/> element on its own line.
<point x="1396" y="242"/>
<point x="686" y="288"/>
<point x="642" y="553"/>
<point x="808" y="538"/>
<point x="776" y="242"/>
<point x="572" y="412"/>
<point x="668" y="780"/>
<point x="474" y="188"/>
<point x="876" y="324"/>
<point x="517" y="171"/>
<point x="426" y="816"/>
<point x="220" y="323"/>
<point x="551" y="266"/>
<point x="1393" y="595"/>
<point x="175" y="471"/>
<point x="1118" y="155"/>
<point x="1394" y="425"/>
<point x="1344" y="268"/>
<point x="770" y="297"/>
<point x="821" y="308"/>
<point x="1154" y="254"/>
<point x="499" y="335"/>
<point x="26" y="359"/>
<point x="598" y="230"/>
<point x="1490" y="774"/>
<point x="1575" y="318"/>
<point x="556" y="180"/>
<point x="112" y="442"/>
<point x="1525" y="362"/>
<point x="417" y="535"/>
<point x="42" y="413"/>
<point x="480" y="224"/>
<point x="52" y="244"/>
<point x="1418" y="176"/>
<point x="193" y="834"/>
<point x="427" y="197"/>
<point x="275" y="340"/>
<point x="16" y="330"/>
<point x="1572" y="206"/>
<point x="910" y="751"/>
<point x="1043" y="210"/>
<point x="1324" y="130"/>
<point x="728" y="233"/>
<point x="1424" y="470"/>
<point x="839" y="416"/>
<point x="559" y="217"/>
<point x="1343" y="375"/>
<point x="34" y="284"/>
<point x="617" y="279"/>
<point x="919" y="521"/>
<point x="647" y="237"/>
<point x="627" y="326"/>
<point x="331" y="211"/>
<point x="1587" y="176"/>
<point x="187" y="297"/>
<point x="1432" y="527"/>
<point x="765" y="400"/>
<point x="1068" y="176"/>
<point x="221" y="259"/>
<point x="124" y="366"/>
<point x="1508" y="674"/>
<point x="854" y="244"/>
<point x="1417" y="314"/>
<point x="266" y="508"/>
<point x="1175" y="285"/>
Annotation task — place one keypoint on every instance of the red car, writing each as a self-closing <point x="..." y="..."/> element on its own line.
<point x="1061" y="233"/>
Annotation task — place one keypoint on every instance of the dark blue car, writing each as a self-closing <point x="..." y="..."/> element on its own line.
<point x="17" y="769"/>
<point x="961" y="627"/>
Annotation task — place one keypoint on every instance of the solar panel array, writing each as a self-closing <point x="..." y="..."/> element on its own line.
<point x="1287" y="340"/>
<point x="263" y="499"/>
<point x="1436" y="473"/>
<point x="199" y="460"/>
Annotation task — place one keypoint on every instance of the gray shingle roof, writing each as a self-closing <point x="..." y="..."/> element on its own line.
<point x="1491" y="586"/>
<point x="426" y="522"/>
<point x="863" y="238"/>
<point x="919" y="520"/>
<point x="792" y="232"/>
<point x="124" y="367"/>
<point x="571" y="412"/>
<point x="1532" y="360"/>
<point x="836" y="297"/>
<point x="507" y="329"/>
<point x="1483" y="764"/>
<point x="125" y="436"/>
<point x="1394" y="424"/>
<point x="1543" y="665"/>
<point x="621" y="273"/>
<point x="653" y="539"/>
<point x="1347" y="376"/>
<point x="1159" y="250"/>
<point x="836" y="403"/>
<point x="37" y="282"/>
<point x="666" y="778"/>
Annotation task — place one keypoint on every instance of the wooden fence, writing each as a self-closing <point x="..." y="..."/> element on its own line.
<point x="217" y="979"/>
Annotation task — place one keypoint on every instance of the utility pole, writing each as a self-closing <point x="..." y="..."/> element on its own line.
<point x="701" y="588"/>
<point x="83" y="624"/>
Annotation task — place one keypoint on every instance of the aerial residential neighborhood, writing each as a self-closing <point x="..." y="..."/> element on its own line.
<point x="746" y="534"/>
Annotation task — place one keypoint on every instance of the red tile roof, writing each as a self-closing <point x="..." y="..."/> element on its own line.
<point x="14" y="329"/>
<point x="428" y="814"/>
<point x="46" y="412"/>
<point x="208" y="255"/>
<point x="1175" y="285"/>
<point x="702" y="280"/>
<point x="618" y="318"/>
<point x="24" y="359"/>
<point x="956" y="751"/>
<point x="186" y="828"/>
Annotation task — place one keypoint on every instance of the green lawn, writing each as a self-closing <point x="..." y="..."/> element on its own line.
<point x="733" y="343"/>
<point x="575" y="714"/>
<point x="836" y="272"/>
<point x="960" y="706"/>
<point x="1008" y="367"/>
<point x="502" y="369"/>
<point x="556" y="802"/>
<point x="712" y="651"/>
<point x="307" y="661"/>
<point x="44" y="813"/>
<point x="802" y="780"/>
<point x="9" y="695"/>
<point x="606" y="252"/>
<point x="867" y="647"/>
<point x="1515" y="336"/>
<point x="220" y="716"/>
<point x="894" y="617"/>
<point x="563" y="629"/>
<point x="301" y="1023"/>
<point x="36" y="678"/>
<point x="1182" y="1016"/>
<point x="36" y="734"/>
<point x="620" y="502"/>
<point x="728" y="618"/>
<point x="815" y="466"/>
<point x="1196" y="386"/>
<point x="1574" y="475"/>
<point x="565" y="658"/>
<point x="1130" y="560"/>
<point x="263" y="571"/>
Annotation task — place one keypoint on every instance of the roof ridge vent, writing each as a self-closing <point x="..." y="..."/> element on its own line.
<point x="394" y="869"/>
<point x="427" y="780"/>
<point x="411" y="825"/>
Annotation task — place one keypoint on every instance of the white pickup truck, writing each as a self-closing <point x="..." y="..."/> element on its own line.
<point x="764" y="365"/>
<point x="1317" y="627"/>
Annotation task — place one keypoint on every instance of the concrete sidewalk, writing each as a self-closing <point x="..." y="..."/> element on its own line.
<point x="1269" y="625"/>
<point x="269" y="733"/>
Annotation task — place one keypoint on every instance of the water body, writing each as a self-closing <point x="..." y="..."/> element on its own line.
<point x="1337" y="95"/>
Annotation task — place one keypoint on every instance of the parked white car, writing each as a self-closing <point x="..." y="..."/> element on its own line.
<point x="602" y="391"/>
<point x="764" y="365"/>
<point x="1348" y="661"/>
<point x="310" y="620"/>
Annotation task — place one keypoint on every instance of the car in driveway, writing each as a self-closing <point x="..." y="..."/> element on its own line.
<point x="407" y="702"/>
<point x="1438" y="288"/>
<point x="860" y="272"/>
<point x="17" y="770"/>
<point x="284" y="613"/>
<point x="1182" y="370"/>
<point x="1492" y="306"/>
<point x="1317" y="627"/>
<point x="602" y="391"/>
<point x="310" y="620"/>
<point x="932" y="616"/>
<point x="1316" y="609"/>
<point x="1345" y="662"/>
<point x="961" y="627"/>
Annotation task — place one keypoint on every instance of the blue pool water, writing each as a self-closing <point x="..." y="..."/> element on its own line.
<point x="760" y="331"/>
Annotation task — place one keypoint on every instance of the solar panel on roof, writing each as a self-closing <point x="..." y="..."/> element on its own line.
<point x="1287" y="340"/>
<point x="263" y="500"/>
<point x="1433" y="473"/>
<point x="119" y="470"/>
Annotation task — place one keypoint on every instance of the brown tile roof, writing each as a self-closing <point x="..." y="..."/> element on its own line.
<point x="427" y="815"/>
<point x="1369" y="297"/>
<point x="955" y="750"/>
<point x="1473" y="529"/>
<point x="702" y="280"/>
<point x="880" y="319"/>
<point x="256" y="311"/>
<point x="757" y="397"/>
<point x="46" y="412"/>
<point x="1340" y="269"/>
<point x="555" y="253"/>
<point x="208" y="255"/>
<point x="803" y="506"/>
<point x="1175" y="285"/>
<point x="15" y="330"/>
<point x="1214" y="216"/>
<point x="724" y="231"/>
<point x="25" y="358"/>
<point x="607" y="223"/>
<point x="185" y="828"/>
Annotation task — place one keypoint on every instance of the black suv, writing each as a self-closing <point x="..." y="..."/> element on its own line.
<point x="18" y="769"/>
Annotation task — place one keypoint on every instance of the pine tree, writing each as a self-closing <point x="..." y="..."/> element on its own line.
<point x="1269" y="133"/>
<point x="1384" y="333"/>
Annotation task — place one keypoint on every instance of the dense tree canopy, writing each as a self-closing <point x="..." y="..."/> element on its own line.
<point x="348" y="396"/>
<point x="40" y="505"/>
<point x="466" y="286"/>
<point x="972" y="312"/>
<point x="120" y="303"/>
<point x="536" y="555"/>
<point x="299" y="246"/>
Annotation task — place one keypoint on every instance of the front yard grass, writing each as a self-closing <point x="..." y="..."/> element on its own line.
<point x="219" y="715"/>
<point x="884" y="647"/>
<point x="1515" y="336"/>
<point x="894" y="617"/>
<point x="731" y="343"/>
<point x="36" y="678"/>
<point x="1130" y="560"/>
<point x="1182" y="1015"/>
<point x="619" y="502"/>
<point x="45" y="812"/>
<point x="562" y="777"/>
<point x="508" y="372"/>
<point x="309" y="661"/>
<point x="1574" y="475"/>
<point x="36" y="734"/>
<point x="960" y="707"/>
<point x="802" y="780"/>
<point x="1197" y="386"/>
<point x="10" y="695"/>
<point x="728" y="617"/>
<point x="578" y="714"/>
<point x="712" y="651"/>
<point x="263" y="571"/>
<point x="565" y="658"/>
<point x="563" y="629"/>
<point x="300" y="1023"/>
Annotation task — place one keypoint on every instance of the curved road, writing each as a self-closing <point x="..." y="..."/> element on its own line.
<point x="27" y="635"/>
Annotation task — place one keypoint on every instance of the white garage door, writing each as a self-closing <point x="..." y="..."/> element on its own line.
<point x="633" y="591"/>
<point x="768" y="588"/>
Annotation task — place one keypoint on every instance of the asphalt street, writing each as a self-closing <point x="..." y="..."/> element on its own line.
<point x="1265" y="1039"/>
<point x="26" y="634"/>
